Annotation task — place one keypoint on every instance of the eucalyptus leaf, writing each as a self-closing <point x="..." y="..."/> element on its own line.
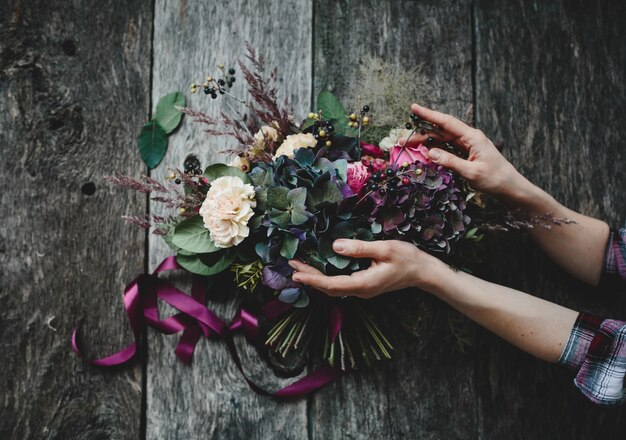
<point x="218" y="262"/>
<point x="331" y="108"/>
<point x="339" y="261"/>
<point x="152" y="143"/>
<point x="166" y="114"/>
<point x="218" y="170"/>
<point x="193" y="264"/>
<point x="192" y="236"/>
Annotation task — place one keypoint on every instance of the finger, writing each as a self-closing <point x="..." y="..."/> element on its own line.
<point x="340" y="285"/>
<point x="303" y="267"/>
<point x="378" y="250"/>
<point x="460" y="166"/>
<point x="449" y="123"/>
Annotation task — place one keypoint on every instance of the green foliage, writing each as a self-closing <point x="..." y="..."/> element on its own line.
<point x="191" y="235"/>
<point x="206" y="264"/>
<point x="332" y="109"/>
<point x="218" y="170"/>
<point x="152" y="140"/>
<point x="152" y="144"/>
<point x="166" y="114"/>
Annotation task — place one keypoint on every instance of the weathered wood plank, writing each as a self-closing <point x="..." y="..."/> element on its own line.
<point x="70" y="105"/>
<point x="427" y="390"/>
<point x="550" y="83"/>
<point x="209" y="399"/>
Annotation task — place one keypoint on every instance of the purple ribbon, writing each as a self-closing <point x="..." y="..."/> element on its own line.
<point x="195" y="320"/>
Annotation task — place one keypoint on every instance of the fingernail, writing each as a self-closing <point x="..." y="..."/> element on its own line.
<point x="293" y="264"/>
<point x="434" y="154"/>
<point x="339" y="245"/>
<point x="295" y="278"/>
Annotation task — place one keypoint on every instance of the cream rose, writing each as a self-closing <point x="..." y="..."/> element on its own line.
<point x="228" y="207"/>
<point x="266" y="133"/>
<point x="391" y="140"/>
<point x="293" y="142"/>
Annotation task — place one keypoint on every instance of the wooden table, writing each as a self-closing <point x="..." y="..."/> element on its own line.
<point x="77" y="81"/>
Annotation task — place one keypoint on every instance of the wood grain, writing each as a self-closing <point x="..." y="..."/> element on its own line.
<point x="70" y="105"/>
<point x="209" y="399"/>
<point x="550" y="83"/>
<point x="427" y="390"/>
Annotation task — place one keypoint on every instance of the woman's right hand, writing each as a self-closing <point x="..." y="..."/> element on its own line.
<point x="485" y="168"/>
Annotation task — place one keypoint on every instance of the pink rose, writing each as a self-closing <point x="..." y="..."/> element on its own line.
<point x="409" y="154"/>
<point x="373" y="163"/>
<point x="372" y="150"/>
<point x="357" y="176"/>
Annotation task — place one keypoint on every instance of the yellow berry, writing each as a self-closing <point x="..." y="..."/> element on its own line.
<point x="316" y="115"/>
<point x="418" y="171"/>
<point x="352" y="116"/>
<point x="181" y="211"/>
<point x="171" y="176"/>
<point x="311" y="115"/>
<point x="405" y="164"/>
<point x="209" y="79"/>
<point x="322" y="133"/>
<point x="366" y="120"/>
<point x="328" y="143"/>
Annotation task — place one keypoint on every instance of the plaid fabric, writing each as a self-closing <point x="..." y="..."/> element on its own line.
<point x="596" y="347"/>
<point x="615" y="260"/>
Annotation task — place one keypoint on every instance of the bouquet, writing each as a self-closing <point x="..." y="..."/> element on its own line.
<point x="293" y="188"/>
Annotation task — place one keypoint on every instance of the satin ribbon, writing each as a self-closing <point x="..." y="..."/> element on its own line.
<point x="195" y="320"/>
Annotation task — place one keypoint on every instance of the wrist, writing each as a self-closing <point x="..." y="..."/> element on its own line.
<point x="432" y="275"/>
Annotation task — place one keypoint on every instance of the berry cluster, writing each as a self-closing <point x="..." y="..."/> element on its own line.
<point x="322" y="129"/>
<point x="213" y="86"/>
<point x="390" y="180"/>
<point x="361" y="120"/>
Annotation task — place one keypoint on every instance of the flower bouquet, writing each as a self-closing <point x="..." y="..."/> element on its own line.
<point x="290" y="190"/>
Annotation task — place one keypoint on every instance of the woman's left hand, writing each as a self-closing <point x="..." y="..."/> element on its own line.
<point x="395" y="265"/>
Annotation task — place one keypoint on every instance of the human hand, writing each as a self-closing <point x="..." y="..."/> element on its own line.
<point x="395" y="265"/>
<point x="485" y="169"/>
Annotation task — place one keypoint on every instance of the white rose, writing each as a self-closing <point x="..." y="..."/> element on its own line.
<point x="240" y="162"/>
<point x="228" y="207"/>
<point x="293" y="142"/>
<point x="391" y="140"/>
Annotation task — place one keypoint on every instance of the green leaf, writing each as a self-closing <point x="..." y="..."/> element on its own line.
<point x="376" y="228"/>
<point x="331" y="108"/>
<point x="192" y="236"/>
<point x="220" y="170"/>
<point x="217" y="262"/>
<point x="304" y="157"/>
<point x="166" y="114"/>
<point x="196" y="264"/>
<point x="277" y="197"/>
<point x="152" y="143"/>
<point x="289" y="247"/>
<point x="339" y="261"/>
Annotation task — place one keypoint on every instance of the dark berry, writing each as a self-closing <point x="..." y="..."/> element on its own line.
<point x="330" y="128"/>
<point x="382" y="191"/>
<point x="373" y="187"/>
<point x="430" y="139"/>
<point x="408" y="126"/>
<point x="392" y="190"/>
<point x="366" y="108"/>
<point x="414" y="117"/>
<point x="221" y="82"/>
<point x="213" y="95"/>
<point x="207" y="90"/>
<point x="231" y="71"/>
<point x="221" y="92"/>
<point x="390" y="172"/>
<point x="232" y="79"/>
<point x="177" y="181"/>
<point x="422" y="131"/>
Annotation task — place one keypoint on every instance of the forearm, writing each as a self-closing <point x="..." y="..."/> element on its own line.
<point x="538" y="327"/>
<point x="578" y="247"/>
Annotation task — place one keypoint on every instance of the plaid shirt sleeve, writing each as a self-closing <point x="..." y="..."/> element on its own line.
<point x="596" y="347"/>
